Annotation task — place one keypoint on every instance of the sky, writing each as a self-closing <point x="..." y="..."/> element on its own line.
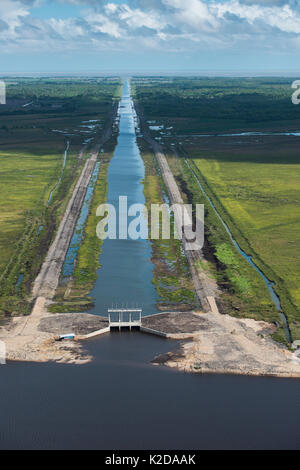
<point x="143" y="36"/>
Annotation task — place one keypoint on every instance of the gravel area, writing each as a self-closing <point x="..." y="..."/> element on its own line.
<point x="176" y="322"/>
<point x="78" y="323"/>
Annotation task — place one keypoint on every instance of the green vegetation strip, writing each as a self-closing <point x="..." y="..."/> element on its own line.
<point x="197" y="105"/>
<point x="172" y="278"/>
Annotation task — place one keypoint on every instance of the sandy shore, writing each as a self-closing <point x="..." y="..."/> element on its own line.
<point x="25" y="340"/>
<point x="212" y="343"/>
<point x="228" y="345"/>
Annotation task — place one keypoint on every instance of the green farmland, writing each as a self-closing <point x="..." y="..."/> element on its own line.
<point x="258" y="196"/>
<point x="25" y="182"/>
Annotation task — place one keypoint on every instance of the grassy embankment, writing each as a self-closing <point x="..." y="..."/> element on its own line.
<point x="171" y="271"/>
<point x="29" y="171"/>
<point x="254" y="182"/>
<point x="72" y="293"/>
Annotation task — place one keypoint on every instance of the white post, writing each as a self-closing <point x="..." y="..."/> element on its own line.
<point x="2" y="352"/>
<point x="2" y="92"/>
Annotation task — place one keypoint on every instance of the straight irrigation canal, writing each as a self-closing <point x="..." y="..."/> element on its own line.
<point x="126" y="272"/>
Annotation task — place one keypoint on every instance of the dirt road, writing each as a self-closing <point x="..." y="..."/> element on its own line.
<point x="205" y="287"/>
<point x="47" y="280"/>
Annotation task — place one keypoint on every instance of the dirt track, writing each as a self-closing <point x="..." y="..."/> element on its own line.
<point x="48" y="277"/>
<point x="47" y="280"/>
<point x="205" y="287"/>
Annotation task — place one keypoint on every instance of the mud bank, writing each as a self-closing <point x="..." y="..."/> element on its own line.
<point x="211" y="343"/>
<point x="28" y="339"/>
<point x="226" y="345"/>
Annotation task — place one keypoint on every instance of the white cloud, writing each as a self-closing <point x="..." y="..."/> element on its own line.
<point x="110" y="8"/>
<point x="193" y="13"/>
<point x="283" y="18"/>
<point x="101" y="23"/>
<point x="67" y="28"/>
<point x="12" y="12"/>
<point x="136" y="18"/>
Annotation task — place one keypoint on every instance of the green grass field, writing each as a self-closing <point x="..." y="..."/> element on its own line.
<point x="260" y="200"/>
<point x="242" y="293"/>
<point x="25" y="184"/>
<point x="27" y="221"/>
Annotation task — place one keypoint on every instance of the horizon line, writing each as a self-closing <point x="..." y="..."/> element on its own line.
<point x="153" y="72"/>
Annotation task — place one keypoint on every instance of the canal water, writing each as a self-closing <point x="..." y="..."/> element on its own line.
<point x="72" y="252"/>
<point x="126" y="272"/>
<point x="122" y="401"/>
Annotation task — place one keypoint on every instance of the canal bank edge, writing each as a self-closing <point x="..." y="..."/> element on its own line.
<point x="205" y="287"/>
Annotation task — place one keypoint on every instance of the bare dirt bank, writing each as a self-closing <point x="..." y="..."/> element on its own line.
<point x="48" y="277"/>
<point x="213" y="343"/>
<point x="26" y="340"/>
<point x="227" y="345"/>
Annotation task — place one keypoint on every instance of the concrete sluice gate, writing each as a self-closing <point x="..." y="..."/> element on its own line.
<point x="124" y="319"/>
